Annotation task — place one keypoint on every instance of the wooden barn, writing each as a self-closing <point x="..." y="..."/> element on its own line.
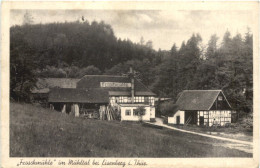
<point x="43" y="86"/>
<point x="202" y="107"/>
<point x="77" y="100"/>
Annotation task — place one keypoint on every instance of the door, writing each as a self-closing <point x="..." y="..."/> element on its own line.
<point x="201" y="120"/>
<point x="178" y="120"/>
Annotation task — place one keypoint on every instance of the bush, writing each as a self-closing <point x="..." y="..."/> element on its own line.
<point x="141" y="111"/>
<point x="246" y="121"/>
<point x="165" y="120"/>
<point x="168" y="108"/>
<point x="152" y="120"/>
<point x="90" y="70"/>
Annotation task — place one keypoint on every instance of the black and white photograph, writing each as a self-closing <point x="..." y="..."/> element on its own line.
<point x="131" y="83"/>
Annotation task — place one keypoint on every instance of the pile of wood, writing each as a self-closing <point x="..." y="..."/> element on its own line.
<point x="108" y="113"/>
<point x="89" y="113"/>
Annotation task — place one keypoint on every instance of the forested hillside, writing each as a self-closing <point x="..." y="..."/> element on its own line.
<point x="74" y="49"/>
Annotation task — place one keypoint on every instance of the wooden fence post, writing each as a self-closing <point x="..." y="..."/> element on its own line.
<point x="76" y="109"/>
<point x="64" y="109"/>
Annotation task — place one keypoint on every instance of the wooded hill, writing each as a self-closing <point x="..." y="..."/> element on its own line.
<point x="75" y="49"/>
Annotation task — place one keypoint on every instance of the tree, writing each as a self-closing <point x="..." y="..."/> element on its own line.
<point x="53" y="72"/>
<point x="78" y="44"/>
<point x="141" y="112"/>
<point x="90" y="70"/>
<point x="149" y="44"/>
<point x="21" y="69"/>
<point x="165" y="77"/>
<point x="27" y="18"/>
<point x="212" y="47"/>
<point x="189" y="60"/>
<point x="168" y="109"/>
<point x="142" y="41"/>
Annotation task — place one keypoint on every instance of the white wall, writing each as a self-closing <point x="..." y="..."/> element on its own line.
<point x="152" y="112"/>
<point x="131" y="117"/>
<point x="173" y="120"/>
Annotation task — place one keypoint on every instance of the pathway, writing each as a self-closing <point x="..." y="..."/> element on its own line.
<point x="159" y="122"/>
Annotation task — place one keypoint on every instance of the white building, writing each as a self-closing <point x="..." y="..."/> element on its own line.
<point x="129" y="112"/>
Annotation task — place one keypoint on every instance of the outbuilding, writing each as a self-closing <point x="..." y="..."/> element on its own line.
<point x="202" y="107"/>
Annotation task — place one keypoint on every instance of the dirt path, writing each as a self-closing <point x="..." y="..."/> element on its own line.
<point x="231" y="143"/>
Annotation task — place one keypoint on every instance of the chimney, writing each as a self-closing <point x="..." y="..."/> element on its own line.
<point x="132" y="84"/>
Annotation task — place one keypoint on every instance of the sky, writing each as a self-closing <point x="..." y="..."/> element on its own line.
<point x="162" y="27"/>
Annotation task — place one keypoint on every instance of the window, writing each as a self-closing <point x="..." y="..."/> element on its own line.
<point x="135" y="112"/>
<point x="127" y="112"/>
<point x="139" y="99"/>
<point x="117" y="100"/>
<point x="151" y="101"/>
<point x="125" y="99"/>
<point x="120" y="99"/>
<point x="135" y="99"/>
<point x="129" y="99"/>
<point x="220" y="98"/>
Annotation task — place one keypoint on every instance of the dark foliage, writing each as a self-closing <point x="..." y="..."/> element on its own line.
<point x="228" y="67"/>
<point x="168" y="108"/>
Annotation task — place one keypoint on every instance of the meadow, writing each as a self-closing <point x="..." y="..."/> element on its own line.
<point x="40" y="132"/>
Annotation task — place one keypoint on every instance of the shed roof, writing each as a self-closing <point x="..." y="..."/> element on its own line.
<point x="43" y="85"/>
<point x="73" y="95"/>
<point x="198" y="99"/>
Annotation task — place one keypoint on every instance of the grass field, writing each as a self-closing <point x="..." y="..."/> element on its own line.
<point x="39" y="132"/>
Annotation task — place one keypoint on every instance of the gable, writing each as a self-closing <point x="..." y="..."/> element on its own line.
<point x="198" y="99"/>
<point x="221" y="103"/>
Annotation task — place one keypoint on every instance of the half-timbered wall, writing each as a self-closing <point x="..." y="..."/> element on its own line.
<point x="137" y="99"/>
<point x="214" y="117"/>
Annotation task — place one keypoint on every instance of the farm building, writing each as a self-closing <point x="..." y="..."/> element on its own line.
<point x="202" y="107"/>
<point x="44" y="85"/>
<point x="89" y="93"/>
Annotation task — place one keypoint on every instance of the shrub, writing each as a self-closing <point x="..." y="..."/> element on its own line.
<point x="152" y="120"/>
<point x="168" y="108"/>
<point x="165" y="120"/>
<point x="141" y="111"/>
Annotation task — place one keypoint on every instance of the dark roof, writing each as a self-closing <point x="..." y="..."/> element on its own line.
<point x="43" y="85"/>
<point x="198" y="99"/>
<point x="93" y="81"/>
<point x="78" y="95"/>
